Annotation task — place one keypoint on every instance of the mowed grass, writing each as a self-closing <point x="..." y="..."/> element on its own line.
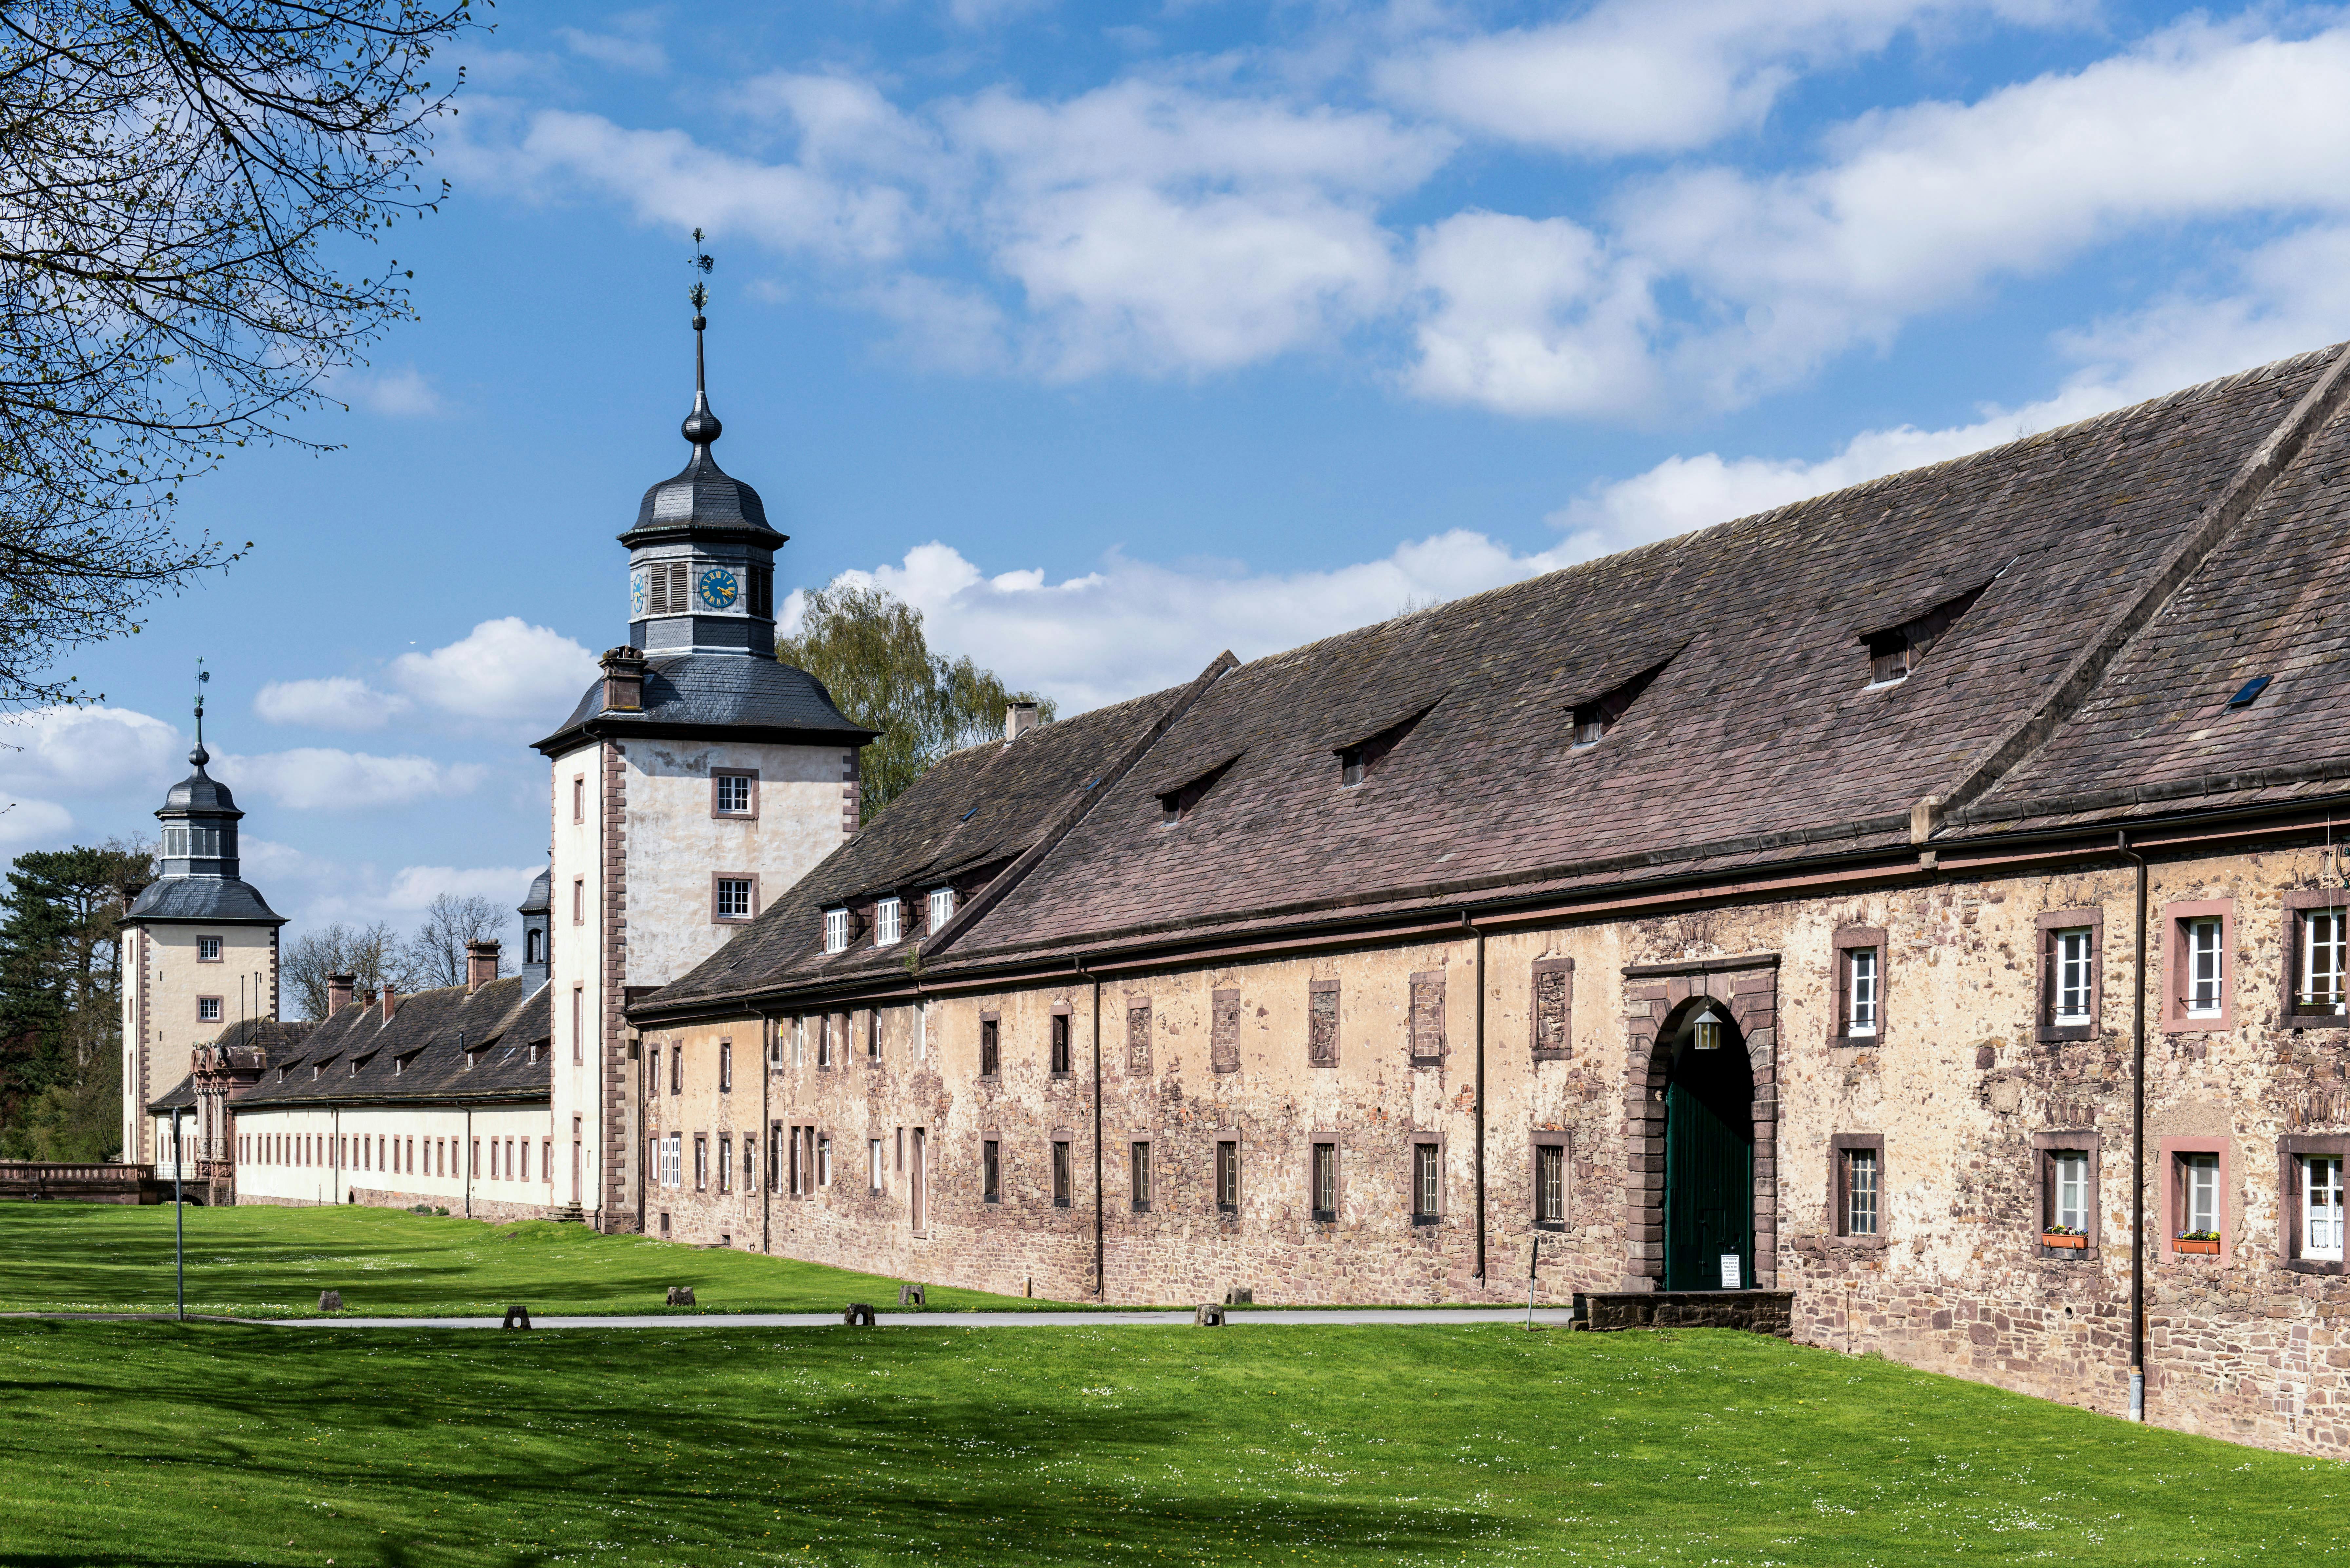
<point x="273" y="1263"/>
<point x="149" y="1444"/>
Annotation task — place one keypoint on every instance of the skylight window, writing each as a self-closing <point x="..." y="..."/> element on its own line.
<point x="2250" y="693"/>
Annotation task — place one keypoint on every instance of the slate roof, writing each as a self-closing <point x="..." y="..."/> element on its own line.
<point x="217" y="901"/>
<point x="1761" y="738"/>
<point x="976" y="812"/>
<point x="701" y="500"/>
<point x="499" y="1023"/>
<point x="713" y="695"/>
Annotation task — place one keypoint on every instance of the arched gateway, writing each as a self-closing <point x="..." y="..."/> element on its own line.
<point x="1701" y="1123"/>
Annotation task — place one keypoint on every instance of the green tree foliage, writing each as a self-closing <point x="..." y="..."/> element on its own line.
<point x="869" y="650"/>
<point x="181" y="186"/>
<point x="61" y="1000"/>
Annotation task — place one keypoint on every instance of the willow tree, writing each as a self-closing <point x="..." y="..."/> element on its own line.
<point x="869" y="650"/>
<point x="182" y="184"/>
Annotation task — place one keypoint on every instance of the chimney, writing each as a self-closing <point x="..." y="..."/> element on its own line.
<point x="480" y="964"/>
<point x="624" y="681"/>
<point x="1019" y="718"/>
<point x="391" y="1000"/>
<point x="340" y="988"/>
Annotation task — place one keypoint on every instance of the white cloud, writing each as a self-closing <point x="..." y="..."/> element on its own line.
<point x="32" y="824"/>
<point x="1134" y="626"/>
<point x="403" y="393"/>
<point x="1915" y="210"/>
<point x="1532" y="317"/>
<point x="415" y="887"/>
<point x="312" y="778"/>
<point x="630" y="46"/>
<point x="1631" y="75"/>
<point x="505" y="670"/>
<point x="335" y="702"/>
<point x="78" y="750"/>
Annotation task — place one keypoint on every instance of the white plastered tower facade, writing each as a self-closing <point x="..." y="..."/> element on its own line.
<point x="199" y="952"/>
<point x="695" y="780"/>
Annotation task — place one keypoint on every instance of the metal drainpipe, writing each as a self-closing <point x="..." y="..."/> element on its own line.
<point x="2138" y="1140"/>
<point x="179" y="1226"/>
<point x="1467" y="926"/>
<point x="1101" y="1279"/>
<point x="469" y="1144"/>
<point x="767" y="1045"/>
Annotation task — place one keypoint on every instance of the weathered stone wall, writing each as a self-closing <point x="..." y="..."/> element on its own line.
<point x="1958" y="1085"/>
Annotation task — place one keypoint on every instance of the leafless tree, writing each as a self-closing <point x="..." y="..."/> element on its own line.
<point x="373" y="954"/>
<point x="181" y="181"/>
<point x="436" y="953"/>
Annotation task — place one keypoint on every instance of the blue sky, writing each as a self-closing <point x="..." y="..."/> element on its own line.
<point x="1115" y="335"/>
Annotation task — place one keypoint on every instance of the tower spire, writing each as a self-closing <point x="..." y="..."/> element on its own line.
<point x="200" y="757"/>
<point x="702" y="426"/>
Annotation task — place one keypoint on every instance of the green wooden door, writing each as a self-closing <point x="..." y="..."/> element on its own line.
<point x="1708" y="1170"/>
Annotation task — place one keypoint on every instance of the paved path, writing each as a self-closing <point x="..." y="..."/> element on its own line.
<point x="1241" y="1317"/>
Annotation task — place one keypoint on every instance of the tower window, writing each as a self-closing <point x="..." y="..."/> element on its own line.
<point x="533" y="946"/>
<point x="762" y="592"/>
<point x="668" y="589"/>
<point x="208" y="1009"/>
<point x="735" y="792"/>
<point x="734" y="897"/>
<point x="208" y="950"/>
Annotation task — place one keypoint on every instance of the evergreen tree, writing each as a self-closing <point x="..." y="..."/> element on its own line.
<point x="61" y="998"/>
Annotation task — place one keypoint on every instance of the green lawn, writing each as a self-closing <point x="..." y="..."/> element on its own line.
<point x="152" y="1444"/>
<point x="273" y="1263"/>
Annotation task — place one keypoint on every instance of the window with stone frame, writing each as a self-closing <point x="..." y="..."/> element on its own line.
<point x="1856" y="1187"/>
<point x="1322" y="1024"/>
<point x="991" y="1172"/>
<point x="733" y="792"/>
<point x="208" y="1010"/>
<point x="1425" y="1021"/>
<point x="1550" y="1182"/>
<point x="726" y="1066"/>
<point x="700" y="1162"/>
<point x="873" y="1034"/>
<point x="2196" y="1190"/>
<point x="1140" y="1187"/>
<point x="1224" y="1031"/>
<point x="2198" y="979"/>
<point x="823" y="1159"/>
<point x="1322" y="1181"/>
<point x="1860" y="985"/>
<point x="208" y="950"/>
<point x="1427" y="1182"/>
<point x="676" y="1068"/>
<point x="989" y="1046"/>
<point x="2310" y="1168"/>
<point x="1060" y="1173"/>
<point x="2317" y="940"/>
<point x="1228" y="1176"/>
<point x="1553" y="1008"/>
<point x="876" y="1163"/>
<point x="1138" y="1036"/>
<point x="725" y="1162"/>
<point x="1059" y="1041"/>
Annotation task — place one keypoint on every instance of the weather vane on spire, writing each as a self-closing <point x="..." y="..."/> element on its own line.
<point x="202" y="676"/>
<point x="700" y="295"/>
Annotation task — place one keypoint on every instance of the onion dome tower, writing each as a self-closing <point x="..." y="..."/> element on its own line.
<point x="199" y="947"/>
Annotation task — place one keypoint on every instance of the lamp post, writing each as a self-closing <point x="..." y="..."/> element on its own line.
<point x="179" y="1226"/>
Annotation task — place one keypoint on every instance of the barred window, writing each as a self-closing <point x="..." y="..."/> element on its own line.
<point x="1141" y="1177"/>
<point x="1228" y="1176"/>
<point x="990" y="1173"/>
<point x="1426" y="1183"/>
<point x="1550" y="1184"/>
<point x="1325" y="1182"/>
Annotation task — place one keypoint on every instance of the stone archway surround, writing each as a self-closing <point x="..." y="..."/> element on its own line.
<point x="1748" y="985"/>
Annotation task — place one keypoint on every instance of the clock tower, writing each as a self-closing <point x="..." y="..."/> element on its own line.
<point x="693" y="783"/>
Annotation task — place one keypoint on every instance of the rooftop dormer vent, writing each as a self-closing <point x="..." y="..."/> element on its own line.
<point x="1594" y="717"/>
<point x="1177" y="804"/>
<point x="1358" y="761"/>
<point x="1896" y="652"/>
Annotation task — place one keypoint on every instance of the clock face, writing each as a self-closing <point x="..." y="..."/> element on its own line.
<point x="637" y="595"/>
<point x="718" y="588"/>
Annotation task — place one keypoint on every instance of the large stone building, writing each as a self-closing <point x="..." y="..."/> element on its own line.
<point x="1868" y="899"/>
<point x="1922" y="899"/>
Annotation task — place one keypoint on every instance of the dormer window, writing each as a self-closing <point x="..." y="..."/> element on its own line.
<point x="1175" y="805"/>
<point x="355" y="1066"/>
<point x="836" y="930"/>
<point x="1592" y="719"/>
<point x="533" y="946"/>
<point x="1361" y="761"/>
<point x="889" y="922"/>
<point x="1895" y="651"/>
<point x="942" y="906"/>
